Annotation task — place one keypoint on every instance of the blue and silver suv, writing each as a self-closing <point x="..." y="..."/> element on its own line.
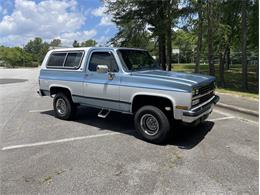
<point x="125" y="80"/>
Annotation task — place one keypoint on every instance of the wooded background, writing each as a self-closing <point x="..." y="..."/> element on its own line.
<point x="218" y="38"/>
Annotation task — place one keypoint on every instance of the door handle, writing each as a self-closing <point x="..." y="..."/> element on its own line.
<point x="111" y="76"/>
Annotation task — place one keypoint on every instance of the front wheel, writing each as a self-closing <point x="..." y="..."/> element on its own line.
<point x="152" y="124"/>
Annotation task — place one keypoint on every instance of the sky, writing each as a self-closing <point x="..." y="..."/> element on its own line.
<point x="68" y="20"/>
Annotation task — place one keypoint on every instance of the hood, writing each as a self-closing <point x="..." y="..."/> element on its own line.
<point x="178" y="77"/>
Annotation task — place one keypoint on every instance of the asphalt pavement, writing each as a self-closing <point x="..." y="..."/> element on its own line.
<point x="44" y="155"/>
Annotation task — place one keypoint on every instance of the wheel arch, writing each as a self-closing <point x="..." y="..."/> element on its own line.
<point x="54" y="89"/>
<point x="154" y="96"/>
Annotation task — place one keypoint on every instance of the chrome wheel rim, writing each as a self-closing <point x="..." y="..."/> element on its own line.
<point x="61" y="106"/>
<point x="149" y="124"/>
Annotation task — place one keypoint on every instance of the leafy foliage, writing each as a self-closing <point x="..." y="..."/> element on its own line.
<point x="209" y="31"/>
<point x="55" y="43"/>
<point x="15" y="56"/>
<point x="37" y="48"/>
<point x="88" y="43"/>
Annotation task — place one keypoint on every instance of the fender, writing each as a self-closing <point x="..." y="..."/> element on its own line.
<point x="61" y="86"/>
<point x="152" y="94"/>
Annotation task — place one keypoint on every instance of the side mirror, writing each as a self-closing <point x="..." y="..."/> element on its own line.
<point x="102" y="68"/>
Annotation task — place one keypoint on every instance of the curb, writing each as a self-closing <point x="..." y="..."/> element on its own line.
<point x="237" y="95"/>
<point x="238" y="109"/>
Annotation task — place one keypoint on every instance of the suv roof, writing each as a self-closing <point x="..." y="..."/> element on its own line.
<point x="87" y="48"/>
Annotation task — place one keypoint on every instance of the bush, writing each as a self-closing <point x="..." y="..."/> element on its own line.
<point x="15" y="56"/>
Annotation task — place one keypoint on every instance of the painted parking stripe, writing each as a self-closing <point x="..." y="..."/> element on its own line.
<point x="58" y="141"/>
<point x="223" y="113"/>
<point x="45" y="110"/>
<point x="239" y="118"/>
<point x="222" y="118"/>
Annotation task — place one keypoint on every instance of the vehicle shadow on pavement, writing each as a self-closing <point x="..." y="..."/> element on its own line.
<point x="184" y="137"/>
<point x="187" y="137"/>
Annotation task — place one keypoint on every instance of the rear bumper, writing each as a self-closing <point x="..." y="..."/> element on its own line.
<point x="39" y="92"/>
<point x="42" y="92"/>
<point x="199" y="111"/>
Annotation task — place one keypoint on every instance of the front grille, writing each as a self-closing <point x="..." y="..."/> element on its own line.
<point x="205" y="90"/>
<point x="206" y="97"/>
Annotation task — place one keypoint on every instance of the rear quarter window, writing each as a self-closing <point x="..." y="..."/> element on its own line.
<point x="73" y="59"/>
<point x="65" y="60"/>
<point x="56" y="60"/>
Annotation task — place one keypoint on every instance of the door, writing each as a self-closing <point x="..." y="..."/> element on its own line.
<point x="102" y="89"/>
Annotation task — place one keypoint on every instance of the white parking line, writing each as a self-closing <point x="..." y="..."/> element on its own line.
<point x="58" y="141"/>
<point x="222" y="118"/>
<point x="40" y="110"/>
<point x="239" y="118"/>
<point x="223" y="113"/>
<point x="248" y="121"/>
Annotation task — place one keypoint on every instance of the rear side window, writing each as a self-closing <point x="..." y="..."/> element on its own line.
<point x="73" y="60"/>
<point x="66" y="60"/>
<point x="56" y="59"/>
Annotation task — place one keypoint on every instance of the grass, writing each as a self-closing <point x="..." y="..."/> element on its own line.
<point x="233" y="78"/>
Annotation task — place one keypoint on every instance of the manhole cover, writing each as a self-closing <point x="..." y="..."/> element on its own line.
<point x="7" y="81"/>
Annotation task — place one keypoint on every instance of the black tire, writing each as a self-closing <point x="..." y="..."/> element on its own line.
<point x="69" y="108"/>
<point x="145" y="118"/>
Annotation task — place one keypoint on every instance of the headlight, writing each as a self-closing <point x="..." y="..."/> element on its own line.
<point x="194" y="102"/>
<point x="195" y="92"/>
<point x="215" y="84"/>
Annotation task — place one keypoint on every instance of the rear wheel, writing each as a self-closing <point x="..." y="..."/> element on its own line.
<point x="152" y="124"/>
<point x="63" y="107"/>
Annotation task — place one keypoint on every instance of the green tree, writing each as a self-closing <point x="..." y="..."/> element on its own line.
<point x="75" y="44"/>
<point x="200" y="10"/>
<point x="133" y="23"/>
<point x="15" y="56"/>
<point x="210" y="7"/>
<point x="55" y="43"/>
<point x="184" y="40"/>
<point x="244" y="30"/>
<point x="37" y="48"/>
<point x="160" y="16"/>
<point x="253" y="32"/>
<point x="88" y="43"/>
<point x="43" y="51"/>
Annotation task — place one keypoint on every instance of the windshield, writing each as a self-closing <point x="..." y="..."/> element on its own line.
<point x="137" y="60"/>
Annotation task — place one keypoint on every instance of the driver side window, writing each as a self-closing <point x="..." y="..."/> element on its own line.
<point x="102" y="58"/>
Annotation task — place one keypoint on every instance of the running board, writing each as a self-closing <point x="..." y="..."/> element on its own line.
<point x="103" y="113"/>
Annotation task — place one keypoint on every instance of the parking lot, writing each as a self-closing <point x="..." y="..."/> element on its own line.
<point x="90" y="155"/>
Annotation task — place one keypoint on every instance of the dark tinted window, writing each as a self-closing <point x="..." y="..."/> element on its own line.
<point x="103" y="58"/>
<point x="136" y="60"/>
<point x="56" y="59"/>
<point x="73" y="59"/>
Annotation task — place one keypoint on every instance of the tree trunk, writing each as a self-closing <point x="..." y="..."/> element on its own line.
<point x="228" y="58"/>
<point x="169" y="46"/>
<point x="244" y="45"/>
<point x="210" y="39"/>
<point x="160" y="49"/>
<point x="257" y="73"/>
<point x="199" y="42"/>
<point x="222" y="67"/>
<point x="162" y="56"/>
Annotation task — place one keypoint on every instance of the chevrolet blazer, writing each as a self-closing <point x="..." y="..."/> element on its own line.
<point x="125" y="80"/>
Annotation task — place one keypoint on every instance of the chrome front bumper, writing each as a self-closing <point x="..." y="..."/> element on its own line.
<point x="199" y="111"/>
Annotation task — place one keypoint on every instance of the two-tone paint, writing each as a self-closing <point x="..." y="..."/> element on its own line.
<point x="96" y="90"/>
